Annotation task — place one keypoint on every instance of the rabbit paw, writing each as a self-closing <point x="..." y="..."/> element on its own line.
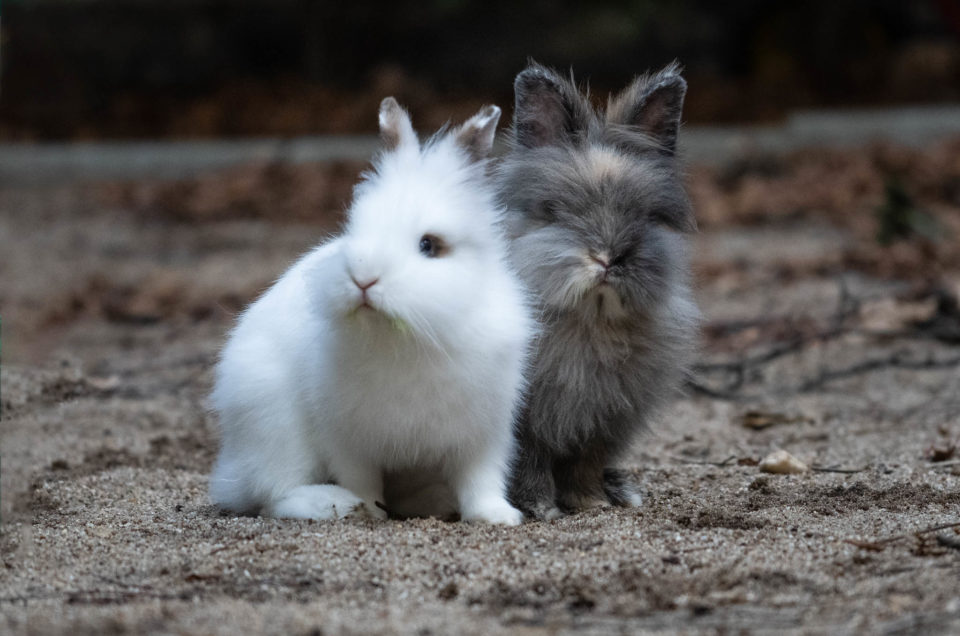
<point x="540" y="509"/>
<point x="577" y="501"/>
<point x="494" y="511"/>
<point x="620" y="489"/>
<point x="319" y="502"/>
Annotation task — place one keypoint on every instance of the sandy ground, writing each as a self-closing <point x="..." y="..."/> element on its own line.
<point x="114" y="306"/>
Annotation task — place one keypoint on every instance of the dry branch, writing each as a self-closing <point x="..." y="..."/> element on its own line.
<point x="739" y="372"/>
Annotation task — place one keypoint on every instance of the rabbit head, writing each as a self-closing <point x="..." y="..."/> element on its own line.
<point x="421" y="231"/>
<point x="597" y="205"/>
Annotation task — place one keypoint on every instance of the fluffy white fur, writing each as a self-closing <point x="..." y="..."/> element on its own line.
<point x="318" y="397"/>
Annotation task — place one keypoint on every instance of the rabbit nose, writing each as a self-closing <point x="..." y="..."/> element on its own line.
<point x="365" y="286"/>
<point x="602" y="259"/>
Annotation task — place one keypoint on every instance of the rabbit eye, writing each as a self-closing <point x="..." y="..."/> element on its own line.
<point x="621" y="257"/>
<point x="432" y="246"/>
<point x="548" y="209"/>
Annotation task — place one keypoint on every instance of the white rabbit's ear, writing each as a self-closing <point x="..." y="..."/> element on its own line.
<point x="395" y="127"/>
<point x="476" y="134"/>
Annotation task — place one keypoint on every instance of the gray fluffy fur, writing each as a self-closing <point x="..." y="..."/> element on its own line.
<point x="584" y="186"/>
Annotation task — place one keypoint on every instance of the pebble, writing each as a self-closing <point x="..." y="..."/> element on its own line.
<point x="783" y="463"/>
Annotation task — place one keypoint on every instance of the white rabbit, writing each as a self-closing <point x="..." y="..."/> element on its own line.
<point x="401" y="344"/>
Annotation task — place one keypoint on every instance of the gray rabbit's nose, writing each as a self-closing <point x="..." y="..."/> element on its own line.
<point x="365" y="286"/>
<point x="602" y="259"/>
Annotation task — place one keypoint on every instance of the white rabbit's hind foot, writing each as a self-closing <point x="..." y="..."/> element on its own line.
<point x="493" y="511"/>
<point x="319" y="502"/>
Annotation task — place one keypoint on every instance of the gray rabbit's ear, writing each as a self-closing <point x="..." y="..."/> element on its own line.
<point x="476" y="134"/>
<point x="548" y="109"/>
<point x="652" y="105"/>
<point x="679" y="216"/>
<point x="395" y="127"/>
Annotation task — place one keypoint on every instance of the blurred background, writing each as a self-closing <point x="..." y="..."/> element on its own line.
<point x="91" y="69"/>
<point x="224" y="122"/>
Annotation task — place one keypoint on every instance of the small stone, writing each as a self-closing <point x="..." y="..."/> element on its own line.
<point x="109" y="383"/>
<point x="783" y="463"/>
<point x="102" y="532"/>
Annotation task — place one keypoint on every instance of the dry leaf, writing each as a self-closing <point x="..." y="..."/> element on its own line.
<point x="941" y="453"/>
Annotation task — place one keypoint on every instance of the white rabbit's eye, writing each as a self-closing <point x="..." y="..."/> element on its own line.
<point x="432" y="246"/>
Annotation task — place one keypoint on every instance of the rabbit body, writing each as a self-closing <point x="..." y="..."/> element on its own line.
<point x="400" y="345"/>
<point x="597" y="217"/>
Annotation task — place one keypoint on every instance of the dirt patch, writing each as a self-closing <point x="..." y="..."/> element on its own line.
<point x="841" y="498"/>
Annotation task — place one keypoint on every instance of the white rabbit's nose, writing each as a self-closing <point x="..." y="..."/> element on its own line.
<point x="365" y="285"/>
<point x="364" y="264"/>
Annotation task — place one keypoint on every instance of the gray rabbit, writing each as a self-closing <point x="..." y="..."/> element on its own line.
<point x="597" y="220"/>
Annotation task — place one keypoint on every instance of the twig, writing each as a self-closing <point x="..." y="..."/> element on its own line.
<point x="947" y="464"/>
<point x="880" y="544"/>
<point x="894" y="361"/>
<point x="739" y="371"/>
<point x="845" y="471"/>
<point x="740" y="367"/>
<point x="721" y="464"/>
<point x="717" y="394"/>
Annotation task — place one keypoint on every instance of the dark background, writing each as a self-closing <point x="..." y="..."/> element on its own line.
<point x="80" y="69"/>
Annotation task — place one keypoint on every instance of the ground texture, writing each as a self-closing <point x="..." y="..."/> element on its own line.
<point x="818" y="340"/>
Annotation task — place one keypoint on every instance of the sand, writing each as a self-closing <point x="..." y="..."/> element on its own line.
<point x="113" y="313"/>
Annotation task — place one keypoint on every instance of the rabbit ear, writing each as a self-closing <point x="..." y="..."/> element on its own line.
<point x="652" y="105"/>
<point x="548" y="110"/>
<point x="476" y="134"/>
<point x="395" y="127"/>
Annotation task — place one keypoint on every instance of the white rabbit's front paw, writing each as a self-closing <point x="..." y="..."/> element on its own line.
<point x="494" y="511"/>
<point x="318" y="502"/>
